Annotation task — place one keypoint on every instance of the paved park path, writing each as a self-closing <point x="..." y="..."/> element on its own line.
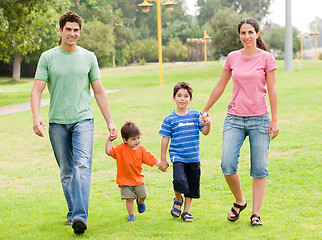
<point x="26" y="106"/>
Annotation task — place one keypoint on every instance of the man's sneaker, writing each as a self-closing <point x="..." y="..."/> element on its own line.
<point x="79" y="226"/>
<point x="69" y="222"/>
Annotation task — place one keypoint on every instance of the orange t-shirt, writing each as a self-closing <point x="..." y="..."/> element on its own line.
<point x="129" y="163"/>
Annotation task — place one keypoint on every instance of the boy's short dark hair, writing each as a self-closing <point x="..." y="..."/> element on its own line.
<point x="130" y="129"/>
<point x="70" y="17"/>
<point x="182" y="85"/>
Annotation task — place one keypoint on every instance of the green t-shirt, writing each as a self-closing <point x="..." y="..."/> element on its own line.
<point x="68" y="76"/>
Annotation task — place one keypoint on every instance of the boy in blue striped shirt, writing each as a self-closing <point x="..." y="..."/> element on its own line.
<point x="183" y="126"/>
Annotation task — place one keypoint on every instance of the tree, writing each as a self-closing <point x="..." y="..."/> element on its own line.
<point x="275" y="39"/>
<point x="26" y="25"/>
<point x="98" y="37"/>
<point x="91" y="10"/>
<point x="258" y="9"/>
<point x="181" y="30"/>
<point x="224" y="32"/>
<point x="207" y="9"/>
<point x="120" y="14"/>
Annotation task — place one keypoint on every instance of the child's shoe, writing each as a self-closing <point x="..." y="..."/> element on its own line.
<point x="141" y="207"/>
<point x="131" y="218"/>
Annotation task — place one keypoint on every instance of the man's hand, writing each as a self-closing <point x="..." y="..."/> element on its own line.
<point x="36" y="126"/>
<point x="112" y="130"/>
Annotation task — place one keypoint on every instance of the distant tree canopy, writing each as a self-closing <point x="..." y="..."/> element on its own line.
<point x="98" y="37"/>
<point x="224" y="32"/>
<point x="258" y="9"/>
<point x="275" y="39"/>
<point x="116" y="30"/>
<point x="26" y="26"/>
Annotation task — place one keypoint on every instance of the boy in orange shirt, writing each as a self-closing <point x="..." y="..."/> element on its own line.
<point x="130" y="156"/>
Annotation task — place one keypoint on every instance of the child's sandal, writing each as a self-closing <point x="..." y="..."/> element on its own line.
<point x="187" y="217"/>
<point x="175" y="209"/>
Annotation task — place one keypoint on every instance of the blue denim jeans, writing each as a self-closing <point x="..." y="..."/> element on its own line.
<point x="73" y="145"/>
<point x="235" y="131"/>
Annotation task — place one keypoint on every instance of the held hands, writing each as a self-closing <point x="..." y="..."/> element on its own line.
<point x="162" y="165"/>
<point x="112" y="130"/>
<point x="111" y="138"/>
<point x="205" y="119"/>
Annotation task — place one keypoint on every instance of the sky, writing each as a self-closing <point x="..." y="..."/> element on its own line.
<point x="303" y="12"/>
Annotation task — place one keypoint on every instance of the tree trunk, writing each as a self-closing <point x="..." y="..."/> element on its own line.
<point x="16" y="67"/>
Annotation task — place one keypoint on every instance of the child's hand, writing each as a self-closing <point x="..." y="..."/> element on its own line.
<point x="205" y="119"/>
<point x="111" y="138"/>
<point x="162" y="165"/>
<point x="208" y="121"/>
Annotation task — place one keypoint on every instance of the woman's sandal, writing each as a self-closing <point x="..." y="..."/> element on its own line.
<point x="241" y="208"/>
<point x="187" y="217"/>
<point x="175" y="209"/>
<point x="256" y="221"/>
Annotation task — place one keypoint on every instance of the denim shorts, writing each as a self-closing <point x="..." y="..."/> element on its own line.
<point x="236" y="129"/>
<point x="186" y="179"/>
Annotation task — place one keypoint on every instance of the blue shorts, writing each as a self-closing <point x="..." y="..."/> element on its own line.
<point x="235" y="131"/>
<point x="186" y="179"/>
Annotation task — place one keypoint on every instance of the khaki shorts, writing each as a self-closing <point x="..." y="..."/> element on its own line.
<point x="133" y="191"/>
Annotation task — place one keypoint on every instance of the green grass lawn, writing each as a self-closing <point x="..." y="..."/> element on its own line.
<point x="32" y="205"/>
<point x="16" y="92"/>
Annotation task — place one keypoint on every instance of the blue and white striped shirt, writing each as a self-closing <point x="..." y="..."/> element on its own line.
<point x="184" y="134"/>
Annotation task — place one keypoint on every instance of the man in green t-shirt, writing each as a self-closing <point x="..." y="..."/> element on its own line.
<point x="69" y="71"/>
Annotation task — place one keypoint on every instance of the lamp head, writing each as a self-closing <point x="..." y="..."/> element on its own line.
<point x="145" y="6"/>
<point x="169" y="5"/>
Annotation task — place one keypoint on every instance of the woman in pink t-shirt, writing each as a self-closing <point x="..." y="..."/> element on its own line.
<point x="253" y="72"/>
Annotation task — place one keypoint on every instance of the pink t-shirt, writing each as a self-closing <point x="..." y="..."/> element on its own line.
<point x="249" y="82"/>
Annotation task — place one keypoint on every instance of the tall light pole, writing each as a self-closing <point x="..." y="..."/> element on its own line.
<point x="288" y="58"/>
<point x="300" y="37"/>
<point x="168" y="7"/>
<point x="315" y="33"/>
<point x="205" y="38"/>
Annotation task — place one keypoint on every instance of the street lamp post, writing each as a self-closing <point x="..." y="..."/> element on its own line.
<point x="188" y="45"/>
<point x="300" y="36"/>
<point x="206" y="38"/>
<point x="168" y="7"/>
<point x="315" y="33"/>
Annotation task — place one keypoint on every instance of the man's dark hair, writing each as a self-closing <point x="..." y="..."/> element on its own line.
<point x="70" y="17"/>
<point x="130" y="129"/>
<point x="182" y="85"/>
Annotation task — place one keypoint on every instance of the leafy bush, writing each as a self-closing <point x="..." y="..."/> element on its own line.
<point x="320" y="56"/>
<point x="175" y="51"/>
<point x="146" y="49"/>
